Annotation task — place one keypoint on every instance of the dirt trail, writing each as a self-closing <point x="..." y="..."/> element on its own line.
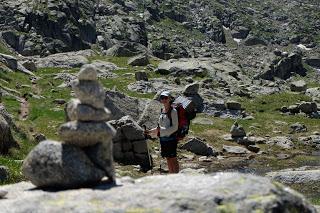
<point x="24" y="108"/>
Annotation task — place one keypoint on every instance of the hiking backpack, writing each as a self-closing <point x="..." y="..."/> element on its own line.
<point x="186" y="112"/>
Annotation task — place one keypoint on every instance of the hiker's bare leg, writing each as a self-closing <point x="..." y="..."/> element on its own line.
<point x="169" y="163"/>
<point x="175" y="165"/>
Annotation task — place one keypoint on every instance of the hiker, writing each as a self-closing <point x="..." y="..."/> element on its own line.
<point x="167" y="127"/>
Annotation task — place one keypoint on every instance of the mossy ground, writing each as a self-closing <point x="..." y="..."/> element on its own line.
<point x="45" y="117"/>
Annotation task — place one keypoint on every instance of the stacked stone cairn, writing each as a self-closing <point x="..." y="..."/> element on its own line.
<point x="86" y="154"/>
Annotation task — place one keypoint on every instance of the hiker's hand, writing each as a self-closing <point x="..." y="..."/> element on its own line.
<point x="152" y="131"/>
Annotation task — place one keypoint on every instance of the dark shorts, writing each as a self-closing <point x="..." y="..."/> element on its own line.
<point x="168" y="147"/>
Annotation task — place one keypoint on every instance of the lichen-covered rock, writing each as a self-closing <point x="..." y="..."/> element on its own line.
<point x="199" y="147"/>
<point x="54" y="164"/>
<point x="85" y="133"/>
<point x="221" y="192"/>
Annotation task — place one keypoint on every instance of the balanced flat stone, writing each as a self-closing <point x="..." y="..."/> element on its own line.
<point x="89" y="92"/>
<point x="86" y="133"/>
<point x="85" y="112"/>
<point x="87" y="73"/>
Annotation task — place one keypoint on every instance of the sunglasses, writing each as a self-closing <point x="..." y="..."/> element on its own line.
<point x="162" y="97"/>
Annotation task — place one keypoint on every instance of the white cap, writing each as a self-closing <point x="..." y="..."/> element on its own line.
<point x="166" y="94"/>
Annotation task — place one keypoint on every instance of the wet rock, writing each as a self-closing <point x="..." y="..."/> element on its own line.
<point x="53" y="164"/>
<point x="281" y="141"/>
<point x="298" y="86"/>
<point x="199" y="147"/>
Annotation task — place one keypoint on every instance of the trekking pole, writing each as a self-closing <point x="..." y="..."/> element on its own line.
<point x="149" y="157"/>
<point x="160" y="149"/>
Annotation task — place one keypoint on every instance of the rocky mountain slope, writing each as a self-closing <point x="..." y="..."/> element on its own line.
<point x="254" y="62"/>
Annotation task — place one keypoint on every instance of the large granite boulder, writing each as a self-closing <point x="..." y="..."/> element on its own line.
<point x="221" y="192"/>
<point x="54" y="164"/>
<point x="6" y="139"/>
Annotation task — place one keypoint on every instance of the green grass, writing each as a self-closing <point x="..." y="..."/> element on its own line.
<point x="4" y="49"/>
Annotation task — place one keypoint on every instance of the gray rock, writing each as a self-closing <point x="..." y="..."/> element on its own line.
<point x="121" y="105"/>
<point x="253" y="148"/>
<point x="303" y="175"/>
<point x="105" y="69"/>
<point x="89" y="92"/>
<point x="150" y="114"/>
<point x="283" y="68"/>
<point x="141" y="76"/>
<point x="281" y="141"/>
<point x="101" y="155"/>
<point x="253" y="40"/>
<point x="53" y="164"/>
<point x="87" y="73"/>
<point x="199" y="147"/>
<point x="298" y="86"/>
<point x="313" y="92"/>
<point x="38" y="137"/>
<point x="191" y="89"/>
<point x="183" y="67"/>
<point x="238" y="150"/>
<point x="29" y="65"/>
<point x="294" y="109"/>
<point x="142" y="87"/>
<point x="308" y="107"/>
<point x="240" y="32"/>
<point x="298" y="127"/>
<point x="129" y="128"/>
<point x="313" y="61"/>
<point x="3" y="193"/>
<point x="65" y="60"/>
<point x="215" y="192"/>
<point x="85" y="133"/>
<point x="237" y="131"/>
<point x="139" y="60"/>
<point x="126" y="49"/>
<point x="84" y="112"/>
<point x="312" y="140"/>
<point x="6" y="139"/>
<point x="233" y="105"/>
<point x="13" y="64"/>
<point x="4" y="174"/>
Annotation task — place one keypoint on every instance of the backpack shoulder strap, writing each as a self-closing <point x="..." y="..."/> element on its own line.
<point x="169" y="115"/>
